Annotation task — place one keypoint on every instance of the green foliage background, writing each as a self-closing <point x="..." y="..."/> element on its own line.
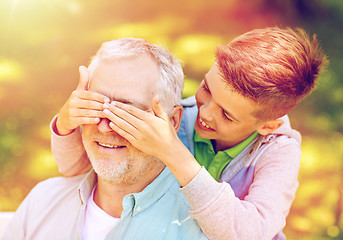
<point x="42" y="43"/>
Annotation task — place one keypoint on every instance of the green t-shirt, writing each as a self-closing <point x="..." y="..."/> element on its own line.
<point x="215" y="163"/>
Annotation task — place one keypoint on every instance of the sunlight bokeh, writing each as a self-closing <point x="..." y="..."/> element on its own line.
<point x="10" y="71"/>
<point x="43" y="42"/>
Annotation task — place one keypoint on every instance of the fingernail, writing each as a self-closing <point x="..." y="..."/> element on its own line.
<point x="96" y="120"/>
<point x="113" y="103"/>
<point x="106" y="112"/>
<point x="106" y="105"/>
<point x="107" y="100"/>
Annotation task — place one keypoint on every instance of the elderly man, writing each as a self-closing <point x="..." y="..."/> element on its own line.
<point x="128" y="195"/>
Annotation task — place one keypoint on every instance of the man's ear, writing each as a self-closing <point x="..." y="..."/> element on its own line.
<point x="175" y="117"/>
<point x="269" y="126"/>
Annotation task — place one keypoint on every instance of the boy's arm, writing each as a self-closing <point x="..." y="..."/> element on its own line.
<point x="155" y="135"/>
<point x="262" y="213"/>
<point x="82" y="107"/>
<point x="221" y="215"/>
<point x="69" y="152"/>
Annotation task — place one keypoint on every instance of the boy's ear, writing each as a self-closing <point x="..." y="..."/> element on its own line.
<point x="269" y="126"/>
<point x="175" y="117"/>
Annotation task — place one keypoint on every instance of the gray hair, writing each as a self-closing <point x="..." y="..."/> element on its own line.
<point x="171" y="74"/>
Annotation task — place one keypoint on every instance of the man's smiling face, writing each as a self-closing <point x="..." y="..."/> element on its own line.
<point x="131" y="80"/>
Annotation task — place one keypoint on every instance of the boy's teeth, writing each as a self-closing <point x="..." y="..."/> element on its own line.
<point x="204" y="124"/>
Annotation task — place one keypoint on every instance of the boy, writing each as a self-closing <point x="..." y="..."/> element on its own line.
<point x="242" y="137"/>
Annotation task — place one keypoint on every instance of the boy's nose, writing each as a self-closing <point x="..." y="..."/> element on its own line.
<point x="208" y="110"/>
<point x="103" y="126"/>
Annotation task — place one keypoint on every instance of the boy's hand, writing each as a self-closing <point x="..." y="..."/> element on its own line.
<point x="82" y="107"/>
<point x="153" y="134"/>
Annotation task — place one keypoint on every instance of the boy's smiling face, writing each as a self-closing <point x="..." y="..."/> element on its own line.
<point x="223" y="115"/>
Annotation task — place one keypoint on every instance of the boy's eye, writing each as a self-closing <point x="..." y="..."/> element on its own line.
<point x="205" y="87"/>
<point x="227" y="117"/>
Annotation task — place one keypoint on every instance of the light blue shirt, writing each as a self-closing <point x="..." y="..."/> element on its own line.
<point x="55" y="210"/>
<point x="160" y="211"/>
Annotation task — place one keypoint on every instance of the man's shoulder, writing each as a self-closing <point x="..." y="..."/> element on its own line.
<point x="185" y="132"/>
<point x="51" y="209"/>
<point x="188" y="102"/>
<point x="57" y="185"/>
<point x="61" y="181"/>
<point x="53" y="193"/>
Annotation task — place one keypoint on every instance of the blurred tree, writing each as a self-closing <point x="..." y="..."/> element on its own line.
<point x="42" y="43"/>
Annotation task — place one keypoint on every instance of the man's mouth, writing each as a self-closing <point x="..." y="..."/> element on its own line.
<point x="106" y="145"/>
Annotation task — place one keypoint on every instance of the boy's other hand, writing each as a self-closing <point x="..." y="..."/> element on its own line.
<point x="82" y="107"/>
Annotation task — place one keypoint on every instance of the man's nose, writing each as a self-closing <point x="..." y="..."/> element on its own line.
<point x="103" y="126"/>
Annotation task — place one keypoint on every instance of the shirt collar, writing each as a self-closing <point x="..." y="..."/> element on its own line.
<point x="235" y="150"/>
<point x="150" y="194"/>
<point x="231" y="152"/>
<point x="86" y="186"/>
<point x="215" y="163"/>
<point x="135" y="202"/>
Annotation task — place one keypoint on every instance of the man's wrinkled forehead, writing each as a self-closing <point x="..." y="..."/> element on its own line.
<point x="133" y="81"/>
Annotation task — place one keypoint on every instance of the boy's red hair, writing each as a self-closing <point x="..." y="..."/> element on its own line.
<point x="274" y="67"/>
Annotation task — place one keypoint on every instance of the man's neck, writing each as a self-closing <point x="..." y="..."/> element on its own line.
<point x="109" y="196"/>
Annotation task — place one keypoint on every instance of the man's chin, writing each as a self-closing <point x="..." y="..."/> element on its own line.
<point x="112" y="172"/>
<point x="124" y="168"/>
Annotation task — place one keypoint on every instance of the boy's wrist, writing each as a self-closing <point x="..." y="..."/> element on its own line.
<point x="173" y="154"/>
<point x="182" y="163"/>
<point x="59" y="130"/>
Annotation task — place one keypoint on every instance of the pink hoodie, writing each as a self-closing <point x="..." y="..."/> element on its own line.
<point x="251" y="201"/>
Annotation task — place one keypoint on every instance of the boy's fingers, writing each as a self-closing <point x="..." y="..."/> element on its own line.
<point x="121" y="123"/>
<point x="86" y="113"/>
<point x="83" y="86"/>
<point x="123" y="133"/>
<point x="119" y="116"/>
<point x="157" y="108"/>
<point x="86" y="120"/>
<point x="84" y="78"/>
<point x="79" y="121"/>
<point x="87" y="104"/>
<point x="89" y="95"/>
<point x="122" y="108"/>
